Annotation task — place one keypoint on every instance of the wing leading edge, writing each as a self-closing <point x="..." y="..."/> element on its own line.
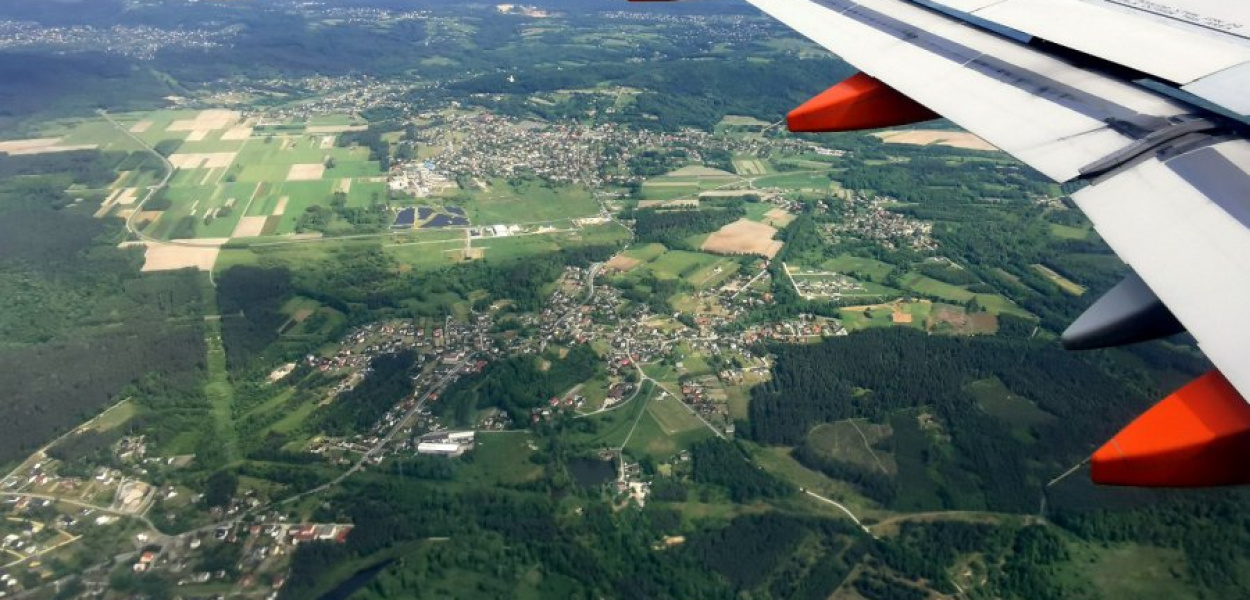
<point x="1169" y="183"/>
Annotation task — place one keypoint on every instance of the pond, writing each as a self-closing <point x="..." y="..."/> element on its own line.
<point x="592" y="472"/>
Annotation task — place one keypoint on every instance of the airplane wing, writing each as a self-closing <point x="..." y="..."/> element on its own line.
<point x="1146" y="102"/>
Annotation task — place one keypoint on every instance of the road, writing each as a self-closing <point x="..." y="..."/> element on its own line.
<point x="842" y="508"/>
<point x="399" y="426"/>
<point x="643" y="377"/>
<point x="81" y="504"/>
<point x="746" y="287"/>
<point x="42" y="452"/>
<point x="152" y="190"/>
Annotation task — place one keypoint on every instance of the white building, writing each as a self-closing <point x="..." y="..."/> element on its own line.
<point x="441" y="448"/>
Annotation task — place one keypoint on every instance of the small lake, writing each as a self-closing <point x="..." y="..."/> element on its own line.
<point x="592" y="472"/>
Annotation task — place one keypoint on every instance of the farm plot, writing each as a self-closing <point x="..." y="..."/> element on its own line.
<point x="744" y="237"/>
<point x="937" y="289"/>
<point x="1064" y="283"/>
<point x="954" y="139"/>
<point x="504" y="204"/>
<point x="795" y="181"/>
<point x="169" y="257"/>
<point x="207" y="120"/>
<point x="749" y="166"/>
<point x="306" y="172"/>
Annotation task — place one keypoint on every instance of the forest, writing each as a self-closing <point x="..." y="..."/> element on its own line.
<point x="723" y="464"/>
<point x="516" y="385"/>
<point x="877" y="374"/>
<point x="387" y="381"/>
<point x="72" y="297"/>
<point x="672" y="227"/>
<point x="496" y="537"/>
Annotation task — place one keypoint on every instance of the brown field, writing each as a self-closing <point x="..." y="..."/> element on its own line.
<point x="271" y="224"/>
<point x="336" y="128"/>
<point x="39" y="146"/>
<point x="169" y="257"/>
<point x="622" y="263"/>
<point x="122" y="196"/>
<point x="954" y="139"/>
<point x="209" y="119"/>
<point x="127" y="196"/>
<point x="345" y="186"/>
<point x="281" y="207"/>
<point x="204" y="160"/>
<point x="778" y="217"/>
<point x="327" y="142"/>
<point x="198" y="135"/>
<point x="306" y="172"/>
<point x="744" y="237"/>
<point x="141" y="127"/>
<point x="235" y="134"/>
<point x="959" y="321"/>
<point x="249" y="227"/>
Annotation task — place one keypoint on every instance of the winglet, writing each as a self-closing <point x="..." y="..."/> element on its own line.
<point x="860" y="102"/>
<point x="1197" y="437"/>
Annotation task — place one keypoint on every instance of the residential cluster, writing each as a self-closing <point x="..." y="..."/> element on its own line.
<point x="869" y="218"/>
<point x="139" y="42"/>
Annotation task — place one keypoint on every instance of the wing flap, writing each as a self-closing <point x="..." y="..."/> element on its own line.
<point x="1182" y="224"/>
<point x="1053" y="115"/>
<point x="1143" y="42"/>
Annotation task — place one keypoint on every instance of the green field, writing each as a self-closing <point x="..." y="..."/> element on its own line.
<point x="997" y="401"/>
<point x="779" y="461"/>
<point x="749" y="166"/>
<point x="681" y="264"/>
<point x="937" y="289"/>
<point x="665" y="429"/>
<point x="713" y="274"/>
<point x="1001" y="305"/>
<point x="865" y="268"/>
<point x="1131" y="571"/>
<point x="527" y="203"/>
<point x="845" y="441"/>
<point x="646" y="252"/>
<point x="795" y="181"/>
<point x="501" y="458"/>
<point x="855" y="320"/>
<point x="1068" y="232"/>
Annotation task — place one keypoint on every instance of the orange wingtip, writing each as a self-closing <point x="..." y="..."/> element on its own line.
<point x="1197" y="437"/>
<point x="860" y="102"/>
